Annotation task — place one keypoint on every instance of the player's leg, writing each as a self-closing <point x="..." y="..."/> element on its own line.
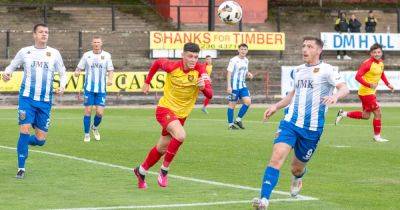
<point x="97" y="120"/>
<point x="152" y="158"/>
<point x="304" y="148"/>
<point x="245" y="96"/>
<point x="26" y="117"/>
<point x="377" y="124"/>
<point x="365" y="114"/>
<point x="205" y="104"/>
<point x="232" y="100"/>
<point x="88" y="103"/>
<point x="286" y="138"/>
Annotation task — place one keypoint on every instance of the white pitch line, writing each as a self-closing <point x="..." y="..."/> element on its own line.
<point x="179" y="205"/>
<point x="299" y="197"/>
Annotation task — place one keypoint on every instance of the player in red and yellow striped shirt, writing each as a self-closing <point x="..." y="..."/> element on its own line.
<point x="185" y="78"/>
<point x="368" y="75"/>
<point x="209" y="68"/>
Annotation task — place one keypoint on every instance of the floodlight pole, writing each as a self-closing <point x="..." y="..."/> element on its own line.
<point x="211" y="15"/>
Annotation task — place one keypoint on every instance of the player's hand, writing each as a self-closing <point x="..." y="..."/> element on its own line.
<point x="146" y="88"/>
<point x="390" y="86"/>
<point x="329" y="100"/>
<point x="76" y="73"/>
<point x="6" y="77"/>
<point x="269" y="112"/>
<point x="373" y="86"/>
<point x="229" y="90"/>
<point x="60" y="91"/>
<point x="109" y="83"/>
<point x="250" y="75"/>
<point x="201" y="84"/>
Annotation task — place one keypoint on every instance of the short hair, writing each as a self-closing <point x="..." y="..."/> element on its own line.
<point x="317" y="40"/>
<point x="38" y="25"/>
<point x="375" y="46"/>
<point x="243" y="45"/>
<point x="97" y="37"/>
<point x="371" y="11"/>
<point x="191" y="47"/>
<point x="208" y="56"/>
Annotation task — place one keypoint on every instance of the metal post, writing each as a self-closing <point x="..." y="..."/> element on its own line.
<point x="211" y="15"/>
<point x="278" y="28"/>
<point x="45" y="14"/>
<point x="398" y="20"/>
<point x="7" y="44"/>
<point x="241" y="25"/>
<point x="113" y="17"/>
<point x="179" y="18"/>
<point x="80" y="50"/>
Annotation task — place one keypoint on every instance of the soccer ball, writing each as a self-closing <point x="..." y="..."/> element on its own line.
<point x="230" y="12"/>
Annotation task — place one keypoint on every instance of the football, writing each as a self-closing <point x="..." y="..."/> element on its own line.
<point x="230" y="12"/>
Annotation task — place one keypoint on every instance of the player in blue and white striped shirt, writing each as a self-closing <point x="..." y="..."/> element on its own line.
<point x="238" y="71"/>
<point x="302" y="125"/>
<point x="40" y="62"/>
<point x="98" y="66"/>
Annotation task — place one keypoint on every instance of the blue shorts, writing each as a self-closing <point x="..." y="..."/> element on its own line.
<point x="36" y="113"/>
<point x="239" y="94"/>
<point x="304" y="142"/>
<point x="94" y="99"/>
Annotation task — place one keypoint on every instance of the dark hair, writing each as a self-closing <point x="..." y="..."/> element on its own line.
<point x="375" y="46"/>
<point x="243" y="45"/>
<point x="38" y="25"/>
<point x="370" y="11"/>
<point x="191" y="47"/>
<point x="208" y="56"/>
<point x="317" y="40"/>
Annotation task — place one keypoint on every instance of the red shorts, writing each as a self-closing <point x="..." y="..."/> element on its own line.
<point x="369" y="103"/>
<point x="164" y="116"/>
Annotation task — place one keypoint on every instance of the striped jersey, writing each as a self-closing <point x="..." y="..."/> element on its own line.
<point x="39" y="65"/>
<point x="311" y="84"/>
<point x="96" y="67"/>
<point x="239" y="68"/>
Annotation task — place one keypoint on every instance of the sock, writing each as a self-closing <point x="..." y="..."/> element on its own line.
<point x="22" y="149"/>
<point x="86" y="123"/>
<point x="164" y="170"/>
<point x="230" y="116"/>
<point x="206" y="101"/>
<point x="238" y="119"/>
<point x="243" y="110"/>
<point x="355" y="114"/>
<point x="271" y="176"/>
<point x="172" y="149"/>
<point x="151" y="159"/>
<point x="97" y="120"/>
<point x="35" y="141"/>
<point x="377" y="126"/>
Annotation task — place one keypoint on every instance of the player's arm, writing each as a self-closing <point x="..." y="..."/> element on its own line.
<point x="110" y="71"/>
<point x="362" y="70"/>
<point x="59" y="64"/>
<point x="15" y="63"/>
<point x="335" y="79"/>
<point x="229" y="70"/>
<point x="157" y="65"/>
<point x="81" y="66"/>
<point x="204" y="83"/>
<point x="281" y="104"/>
<point x="386" y="81"/>
<point x="249" y="75"/>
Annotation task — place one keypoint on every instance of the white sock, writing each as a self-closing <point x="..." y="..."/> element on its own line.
<point x="238" y="119"/>
<point x="21" y="169"/>
<point x="230" y="124"/>
<point x="142" y="170"/>
<point x="344" y="114"/>
<point x="377" y="136"/>
<point x="164" y="168"/>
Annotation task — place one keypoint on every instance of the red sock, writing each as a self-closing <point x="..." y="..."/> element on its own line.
<point x="172" y="149"/>
<point x="152" y="158"/>
<point x="206" y="101"/>
<point x="377" y="126"/>
<point x="355" y="114"/>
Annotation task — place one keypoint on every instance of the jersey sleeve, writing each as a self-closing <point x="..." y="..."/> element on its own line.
<point x="60" y="68"/>
<point x="334" y="77"/>
<point x="16" y="62"/>
<point x="231" y="65"/>
<point x="364" y="68"/>
<point x="110" y="66"/>
<point x="163" y="64"/>
<point x="384" y="79"/>
<point x="82" y="62"/>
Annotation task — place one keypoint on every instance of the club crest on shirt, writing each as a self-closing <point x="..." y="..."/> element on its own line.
<point x="316" y="70"/>
<point x="29" y="52"/>
<point x="48" y="54"/>
<point x="102" y="57"/>
<point x="190" y="78"/>
<point x="22" y="114"/>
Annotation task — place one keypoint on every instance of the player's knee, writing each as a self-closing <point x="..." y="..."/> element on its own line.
<point x="297" y="171"/>
<point x="24" y="129"/>
<point x="275" y="163"/>
<point x="181" y="136"/>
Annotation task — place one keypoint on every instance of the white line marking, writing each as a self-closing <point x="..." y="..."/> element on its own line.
<point x="299" y="197"/>
<point x="341" y="146"/>
<point x="179" y="205"/>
